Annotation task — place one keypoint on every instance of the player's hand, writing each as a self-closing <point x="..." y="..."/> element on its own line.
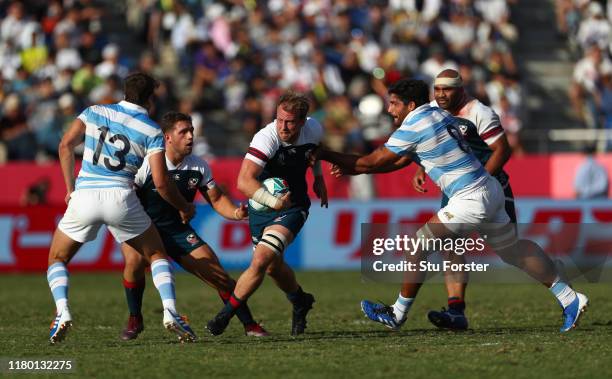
<point x="242" y="212"/>
<point x="67" y="198"/>
<point x="312" y="156"/>
<point x="336" y="171"/>
<point x="418" y="181"/>
<point x="320" y="190"/>
<point x="284" y="202"/>
<point x="187" y="214"/>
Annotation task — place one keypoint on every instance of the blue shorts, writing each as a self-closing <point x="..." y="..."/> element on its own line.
<point x="292" y="219"/>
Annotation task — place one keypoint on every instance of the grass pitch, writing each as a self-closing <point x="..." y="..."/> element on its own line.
<point x="513" y="332"/>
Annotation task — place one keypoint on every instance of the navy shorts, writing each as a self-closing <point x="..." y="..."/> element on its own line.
<point x="292" y="219"/>
<point x="179" y="240"/>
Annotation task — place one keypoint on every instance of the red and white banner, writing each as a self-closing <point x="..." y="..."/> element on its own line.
<point x="330" y="239"/>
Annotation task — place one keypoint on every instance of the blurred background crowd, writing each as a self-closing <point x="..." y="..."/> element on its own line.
<point x="226" y="63"/>
<point x="585" y="25"/>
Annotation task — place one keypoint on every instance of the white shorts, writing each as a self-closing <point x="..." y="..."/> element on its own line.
<point x="117" y="208"/>
<point x="482" y="209"/>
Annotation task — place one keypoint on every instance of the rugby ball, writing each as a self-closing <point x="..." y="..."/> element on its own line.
<point x="276" y="186"/>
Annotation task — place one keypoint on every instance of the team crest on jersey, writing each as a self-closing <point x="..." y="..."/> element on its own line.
<point x="463" y="129"/>
<point x="448" y="215"/>
<point x="192" y="183"/>
<point x="192" y="239"/>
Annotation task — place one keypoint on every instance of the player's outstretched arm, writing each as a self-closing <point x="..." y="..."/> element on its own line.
<point x="70" y="140"/>
<point x="379" y="161"/>
<point x="167" y="188"/>
<point x="223" y="205"/>
<point x="318" y="186"/>
<point x="252" y="188"/>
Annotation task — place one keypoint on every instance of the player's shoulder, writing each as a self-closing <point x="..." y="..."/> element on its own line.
<point x="312" y="130"/>
<point x="480" y="109"/>
<point x="267" y="133"/>
<point x="194" y="162"/>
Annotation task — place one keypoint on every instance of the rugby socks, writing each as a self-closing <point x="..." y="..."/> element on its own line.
<point x="456" y="304"/>
<point x="563" y="292"/>
<point x="295" y="297"/>
<point x="229" y="310"/>
<point x="164" y="282"/>
<point x="57" y="276"/>
<point x="133" y="293"/>
<point x="402" y="306"/>
<point x="242" y="312"/>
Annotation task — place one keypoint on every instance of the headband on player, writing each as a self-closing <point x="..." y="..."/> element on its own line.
<point x="449" y="82"/>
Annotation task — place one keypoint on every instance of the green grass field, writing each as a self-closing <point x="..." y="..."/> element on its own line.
<point x="513" y="332"/>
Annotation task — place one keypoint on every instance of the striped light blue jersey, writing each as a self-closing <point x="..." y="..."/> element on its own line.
<point x="118" y="137"/>
<point x="432" y="138"/>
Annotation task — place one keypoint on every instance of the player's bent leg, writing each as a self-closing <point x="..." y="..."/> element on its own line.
<point x="529" y="257"/>
<point x="454" y="317"/>
<point x="279" y="237"/>
<point x="134" y="285"/>
<point x="150" y="245"/>
<point x="247" y="283"/>
<point x="394" y="316"/>
<point x="302" y="302"/>
<point x="204" y="264"/>
<point x="63" y="248"/>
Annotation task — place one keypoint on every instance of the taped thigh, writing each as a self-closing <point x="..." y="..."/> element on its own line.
<point x="500" y="237"/>
<point x="274" y="240"/>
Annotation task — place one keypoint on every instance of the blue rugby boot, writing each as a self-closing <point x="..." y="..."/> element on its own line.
<point x="572" y="313"/>
<point x="381" y="313"/>
<point x="60" y="326"/>
<point x="179" y="325"/>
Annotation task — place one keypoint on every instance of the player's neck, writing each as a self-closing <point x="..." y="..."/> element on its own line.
<point x="174" y="157"/>
<point x="464" y="100"/>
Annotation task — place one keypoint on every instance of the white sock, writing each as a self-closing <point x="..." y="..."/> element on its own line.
<point x="163" y="279"/>
<point x="57" y="276"/>
<point x="402" y="306"/>
<point x="563" y="292"/>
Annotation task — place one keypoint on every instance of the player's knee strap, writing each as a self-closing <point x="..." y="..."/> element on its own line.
<point x="503" y="238"/>
<point x="274" y="240"/>
<point x="424" y="232"/>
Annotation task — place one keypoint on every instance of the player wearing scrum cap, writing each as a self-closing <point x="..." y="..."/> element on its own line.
<point x="430" y="137"/>
<point x="480" y="127"/>
<point x="281" y="149"/>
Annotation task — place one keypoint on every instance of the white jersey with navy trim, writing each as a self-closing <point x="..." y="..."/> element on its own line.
<point x="189" y="163"/>
<point x="266" y="142"/>
<point x="431" y="137"/>
<point x="118" y="138"/>
<point x="484" y="118"/>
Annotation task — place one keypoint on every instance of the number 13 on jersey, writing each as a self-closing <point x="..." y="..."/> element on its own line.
<point x="119" y="154"/>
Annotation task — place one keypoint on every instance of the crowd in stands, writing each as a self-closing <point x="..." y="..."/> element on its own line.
<point x="226" y="63"/>
<point x="586" y="25"/>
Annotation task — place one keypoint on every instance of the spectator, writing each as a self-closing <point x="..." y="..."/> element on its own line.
<point x="230" y="60"/>
<point x="14" y="131"/>
<point x="591" y="180"/>
<point x="594" y="29"/>
<point x="583" y="90"/>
